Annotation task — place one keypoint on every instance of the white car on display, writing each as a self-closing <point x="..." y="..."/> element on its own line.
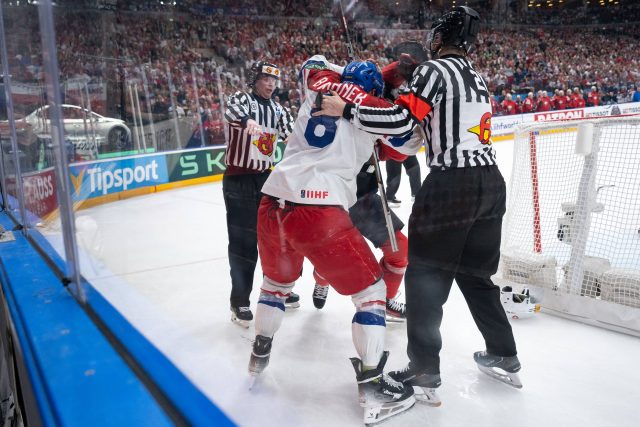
<point x="89" y="131"/>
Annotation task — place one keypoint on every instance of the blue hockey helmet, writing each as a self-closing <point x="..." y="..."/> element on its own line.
<point x="365" y="74"/>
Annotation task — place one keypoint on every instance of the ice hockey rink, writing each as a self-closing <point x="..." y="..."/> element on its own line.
<point x="161" y="259"/>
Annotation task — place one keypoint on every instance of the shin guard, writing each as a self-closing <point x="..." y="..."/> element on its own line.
<point x="270" y="310"/>
<point x="368" y="325"/>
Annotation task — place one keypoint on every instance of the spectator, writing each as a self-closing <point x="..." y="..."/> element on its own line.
<point x="559" y="101"/>
<point x="509" y="106"/>
<point x="593" y="99"/>
<point x="529" y="104"/>
<point x="544" y="102"/>
<point x="518" y="104"/>
<point x="609" y="99"/>
<point x="495" y="107"/>
<point x="578" y="98"/>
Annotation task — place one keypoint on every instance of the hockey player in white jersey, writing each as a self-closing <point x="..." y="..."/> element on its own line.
<point x="304" y="214"/>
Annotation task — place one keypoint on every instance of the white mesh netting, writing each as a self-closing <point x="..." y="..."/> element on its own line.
<point x="572" y="227"/>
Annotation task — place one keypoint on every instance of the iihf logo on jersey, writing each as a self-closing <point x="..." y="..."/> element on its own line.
<point x="265" y="143"/>
<point x="314" y="194"/>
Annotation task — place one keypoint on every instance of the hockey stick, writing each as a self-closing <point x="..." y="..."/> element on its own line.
<point x="345" y="28"/>
<point x="385" y="203"/>
<point x="376" y="161"/>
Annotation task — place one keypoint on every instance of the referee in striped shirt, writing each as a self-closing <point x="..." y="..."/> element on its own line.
<point x="456" y="221"/>
<point x="255" y="122"/>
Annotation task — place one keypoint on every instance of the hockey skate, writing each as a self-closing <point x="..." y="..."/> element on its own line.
<point x="379" y="395"/>
<point x="424" y="385"/>
<point x="396" y="311"/>
<point x="241" y="316"/>
<point x="259" y="357"/>
<point x="320" y="295"/>
<point x="293" y="301"/>
<point x="394" y="203"/>
<point x="501" y="368"/>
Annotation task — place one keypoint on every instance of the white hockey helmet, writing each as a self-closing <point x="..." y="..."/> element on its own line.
<point x="518" y="305"/>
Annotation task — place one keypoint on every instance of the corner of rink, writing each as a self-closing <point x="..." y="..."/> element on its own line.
<point x="178" y="270"/>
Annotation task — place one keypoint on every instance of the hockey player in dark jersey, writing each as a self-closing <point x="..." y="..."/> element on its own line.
<point x="367" y="214"/>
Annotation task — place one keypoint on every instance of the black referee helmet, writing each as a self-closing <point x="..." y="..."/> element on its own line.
<point x="458" y="28"/>
<point x="260" y="68"/>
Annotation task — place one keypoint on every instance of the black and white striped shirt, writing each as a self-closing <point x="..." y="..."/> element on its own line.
<point x="246" y="153"/>
<point x="450" y="100"/>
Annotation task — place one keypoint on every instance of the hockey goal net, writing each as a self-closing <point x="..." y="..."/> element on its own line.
<point x="572" y="228"/>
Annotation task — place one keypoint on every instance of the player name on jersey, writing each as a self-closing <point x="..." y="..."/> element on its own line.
<point x="351" y="93"/>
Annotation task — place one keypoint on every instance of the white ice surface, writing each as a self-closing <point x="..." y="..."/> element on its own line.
<point x="161" y="260"/>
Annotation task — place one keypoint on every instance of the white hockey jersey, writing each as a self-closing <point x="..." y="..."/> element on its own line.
<point x="324" y="154"/>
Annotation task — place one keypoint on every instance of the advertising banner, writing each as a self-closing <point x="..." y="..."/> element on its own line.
<point x="505" y="125"/>
<point x="40" y="195"/>
<point x="203" y="162"/>
<point x="107" y="177"/>
<point x="195" y="163"/>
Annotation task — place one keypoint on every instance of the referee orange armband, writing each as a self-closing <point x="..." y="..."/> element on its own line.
<point x="418" y="108"/>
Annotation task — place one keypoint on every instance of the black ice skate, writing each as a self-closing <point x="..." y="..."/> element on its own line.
<point x="320" y="295"/>
<point x="396" y="311"/>
<point x="379" y="395"/>
<point x="260" y="355"/>
<point x="293" y="301"/>
<point x="394" y="203"/>
<point x="241" y="316"/>
<point x="424" y="385"/>
<point x="501" y="368"/>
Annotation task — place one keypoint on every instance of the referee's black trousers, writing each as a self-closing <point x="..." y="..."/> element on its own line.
<point x="242" y="197"/>
<point x="454" y="233"/>
<point x="394" y="172"/>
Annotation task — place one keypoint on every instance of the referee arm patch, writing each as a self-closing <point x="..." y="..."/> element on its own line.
<point x="419" y="108"/>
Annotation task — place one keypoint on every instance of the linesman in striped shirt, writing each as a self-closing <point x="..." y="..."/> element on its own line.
<point x="255" y="122"/>
<point x="456" y="221"/>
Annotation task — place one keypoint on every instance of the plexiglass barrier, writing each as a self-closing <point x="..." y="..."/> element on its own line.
<point x="113" y="145"/>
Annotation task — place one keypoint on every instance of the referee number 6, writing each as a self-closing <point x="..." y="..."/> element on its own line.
<point x="484" y="134"/>
<point x="321" y="130"/>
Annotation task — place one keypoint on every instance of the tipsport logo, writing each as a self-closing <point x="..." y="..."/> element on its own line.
<point x="113" y="177"/>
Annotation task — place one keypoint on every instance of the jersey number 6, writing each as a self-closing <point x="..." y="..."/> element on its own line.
<point x="321" y="130"/>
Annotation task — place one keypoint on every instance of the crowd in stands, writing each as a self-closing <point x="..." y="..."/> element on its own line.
<point x="561" y="100"/>
<point x="587" y="13"/>
<point x="205" y="55"/>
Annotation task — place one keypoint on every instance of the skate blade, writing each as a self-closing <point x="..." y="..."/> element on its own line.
<point x="427" y="396"/>
<point x="512" y="379"/>
<point x="244" y="323"/>
<point x="377" y="414"/>
<point x="292" y="305"/>
<point x="253" y="378"/>
<point x="394" y="319"/>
